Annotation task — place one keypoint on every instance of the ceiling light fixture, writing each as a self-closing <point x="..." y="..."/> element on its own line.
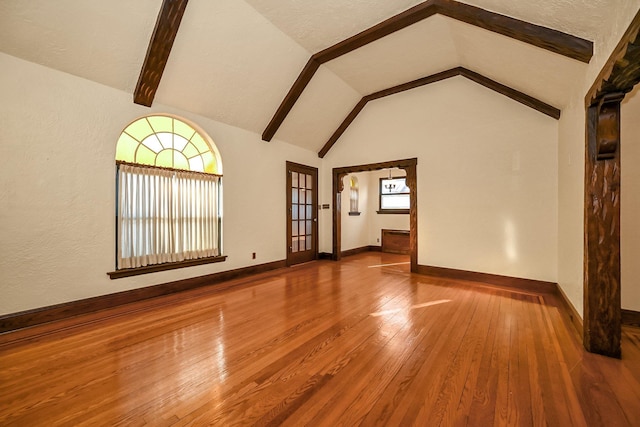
<point x="390" y="186"/>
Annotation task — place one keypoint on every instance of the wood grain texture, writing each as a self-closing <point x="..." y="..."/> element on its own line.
<point x="154" y="268"/>
<point x="361" y="249"/>
<point x="411" y="180"/>
<point x="631" y="318"/>
<point x="601" y="292"/>
<point x="305" y="255"/>
<point x="343" y="127"/>
<point x="546" y="38"/>
<point x="517" y="96"/>
<point x="542" y="37"/>
<point x="602" y="318"/>
<point x="396" y="241"/>
<point x="574" y="317"/>
<point x="621" y="72"/>
<point x="324" y="343"/>
<point x="164" y="34"/>
<point x="528" y="285"/>
<point x="290" y="99"/>
<point x="608" y="126"/>
<point x="337" y="187"/>
<point x="29" y="318"/>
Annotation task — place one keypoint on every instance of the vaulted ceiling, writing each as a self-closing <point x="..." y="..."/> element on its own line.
<point x="235" y="61"/>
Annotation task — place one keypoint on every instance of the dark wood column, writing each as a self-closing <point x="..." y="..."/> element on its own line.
<point x="412" y="183"/>
<point x="338" y="186"/>
<point x="602" y="311"/>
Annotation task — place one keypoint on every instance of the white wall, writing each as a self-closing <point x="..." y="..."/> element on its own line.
<point x="383" y="221"/>
<point x="571" y="143"/>
<point x="355" y="228"/>
<point x="487" y="187"/>
<point x="57" y="193"/>
<point x="630" y="201"/>
<point x="365" y="229"/>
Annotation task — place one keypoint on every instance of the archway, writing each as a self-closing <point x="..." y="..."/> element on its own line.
<point x="409" y="166"/>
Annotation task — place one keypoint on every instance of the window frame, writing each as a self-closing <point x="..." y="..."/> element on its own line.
<point x="382" y="210"/>
<point x="188" y="262"/>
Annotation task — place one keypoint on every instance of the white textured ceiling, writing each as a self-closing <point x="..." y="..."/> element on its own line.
<point x="420" y="50"/>
<point x="90" y="39"/>
<point x="521" y="66"/>
<point x="229" y="63"/>
<point x="318" y="24"/>
<point x="582" y="18"/>
<point x="235" y="60"/>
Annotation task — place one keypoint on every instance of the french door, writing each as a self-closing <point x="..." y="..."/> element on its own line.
<point x="302" y="213"/>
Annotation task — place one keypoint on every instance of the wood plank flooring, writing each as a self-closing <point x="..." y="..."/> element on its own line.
<point x="355" y="342"/>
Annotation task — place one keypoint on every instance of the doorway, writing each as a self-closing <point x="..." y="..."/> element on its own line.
<point x="409" y="166"/>
<point x="302" y="213"/>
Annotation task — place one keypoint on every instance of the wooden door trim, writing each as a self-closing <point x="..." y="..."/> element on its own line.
<point x="410" y="167"/>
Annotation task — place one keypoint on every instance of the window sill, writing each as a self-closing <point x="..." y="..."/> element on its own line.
<point x="128" y="272"/>
<point x="393" y="211"/>
<point x="354" y="213"/>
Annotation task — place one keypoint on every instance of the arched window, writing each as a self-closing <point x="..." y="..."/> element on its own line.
<point x="165" y="141"/>
<point x="354" y="195"/>
<point x="169" y="196"/>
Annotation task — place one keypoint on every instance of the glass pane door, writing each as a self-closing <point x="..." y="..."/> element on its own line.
<point x="301" y="213"/>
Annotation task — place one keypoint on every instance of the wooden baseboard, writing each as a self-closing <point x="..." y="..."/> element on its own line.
<point x="574" y="316"/>
<point x="515" y="283"/>
<point x="324" y="255"/>
<point x="39" y="316"/>
<point x="631" y="318"/>
<point x="360" y="250"/>
<point x="528" y="285"/>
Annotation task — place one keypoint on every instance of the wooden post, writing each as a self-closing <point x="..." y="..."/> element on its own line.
<point x="602" y="308"/>
<point x="338" y="186"/>
<point x="412" y="183"/>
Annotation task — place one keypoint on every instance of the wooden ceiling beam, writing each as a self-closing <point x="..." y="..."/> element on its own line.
<point x="518" y="96"/>
<point x="162" y="39"/>
<point x="545" y="38"/>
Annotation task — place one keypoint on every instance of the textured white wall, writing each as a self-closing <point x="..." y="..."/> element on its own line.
<point x="487" y="187"/>
<point x="630" y="201"/>
<point x="571" y="143"/>
<point x="57" y="197"/>
<point x="355" y="229"/>
<point x="386" y="221"/>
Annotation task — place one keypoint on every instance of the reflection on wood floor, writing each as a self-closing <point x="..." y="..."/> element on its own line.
<point x="325" y="343"/>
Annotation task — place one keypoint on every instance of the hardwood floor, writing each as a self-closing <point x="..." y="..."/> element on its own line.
<point x="324" y="343"/>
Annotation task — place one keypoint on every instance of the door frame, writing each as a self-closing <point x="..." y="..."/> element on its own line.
<point x="410" y="167"/>
<point x="314" y="227"/>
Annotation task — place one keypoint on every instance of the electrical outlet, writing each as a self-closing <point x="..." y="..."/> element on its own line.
<point x="253" y="255"/>
<point x="378" y="240"/>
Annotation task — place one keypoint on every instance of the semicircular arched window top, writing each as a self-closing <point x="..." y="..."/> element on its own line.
<point x="165" y="141"/>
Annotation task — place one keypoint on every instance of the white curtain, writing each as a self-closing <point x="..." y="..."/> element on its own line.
<point x="166" y="215"/>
